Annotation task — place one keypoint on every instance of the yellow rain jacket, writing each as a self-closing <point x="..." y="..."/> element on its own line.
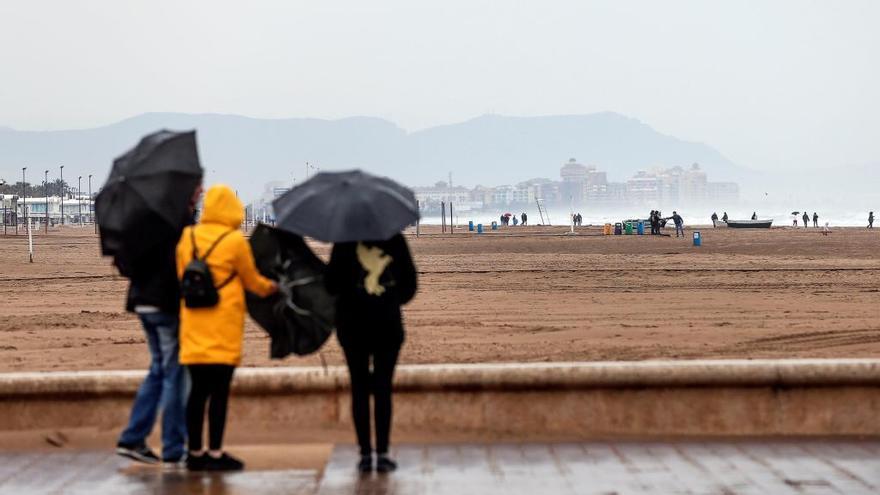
<point x="214" y="335"/>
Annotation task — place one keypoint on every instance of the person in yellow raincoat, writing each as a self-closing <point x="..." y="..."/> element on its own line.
<point x="211" y="338"/>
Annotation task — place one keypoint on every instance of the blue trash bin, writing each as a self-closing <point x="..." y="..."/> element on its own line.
<point x="698" y="239"/>
<point x="470" y="226"/>
<point x="479" y="228"/>
<point x="640" y="228"/>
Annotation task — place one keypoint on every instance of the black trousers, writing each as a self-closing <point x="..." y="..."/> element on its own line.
<point x="210" y="382"/>
<point x="377" y="382"/>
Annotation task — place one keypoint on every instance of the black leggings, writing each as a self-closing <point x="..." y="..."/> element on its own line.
<point x="209" y="381"/>
<point x="363" y="383"/>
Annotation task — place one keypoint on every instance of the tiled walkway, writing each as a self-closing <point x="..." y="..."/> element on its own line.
<point x="767" y="468"/>
<point x="707" y="467"/>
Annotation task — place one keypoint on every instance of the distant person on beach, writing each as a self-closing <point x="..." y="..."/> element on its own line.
<point x="153" y="294"/>
<point x="806" y="218"/>
<point x="502" y="222"/>
<point x="754" y="215"/>
<point x="211" y="336"/>
<point x="371" y="280"/>
<point x="714" y="219"/>
<point x="794" y="221"/>
<point x="815" y="220"/>
<point x="679" y="223"/>
<point x="525" y="218"/>
<point x="825" y="229"/>
<point x="515" y="221"/>
<point x="871" y="220"/>
<point x="655" y="222"/>
<point x="725" y="217"/>
<point x="580" y="220"/>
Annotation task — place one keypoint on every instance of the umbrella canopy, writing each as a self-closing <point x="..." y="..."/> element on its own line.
<point x="300" y="317"/>
<point x="346" y="207"/>
<point x="154" y="182"/>
<point x="795" y="213"/>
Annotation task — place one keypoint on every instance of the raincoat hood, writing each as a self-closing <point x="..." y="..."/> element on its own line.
<point x="222" y="207"/>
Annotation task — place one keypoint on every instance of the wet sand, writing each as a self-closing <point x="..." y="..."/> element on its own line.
<point x="522" y="294"/>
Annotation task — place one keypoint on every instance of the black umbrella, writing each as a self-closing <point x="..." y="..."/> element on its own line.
<point x="347" y="206"/>
<point x="149" y="190"/>
<point x="300" y="317"/>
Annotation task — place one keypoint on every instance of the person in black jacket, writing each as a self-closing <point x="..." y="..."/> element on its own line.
<point x="153" y="294"/>
<point x="371" y="281"/>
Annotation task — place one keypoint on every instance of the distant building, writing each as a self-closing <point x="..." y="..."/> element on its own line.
<point x="574" y="179"/>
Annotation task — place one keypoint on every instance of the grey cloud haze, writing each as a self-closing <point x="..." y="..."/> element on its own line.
<point x="774" y="85"/>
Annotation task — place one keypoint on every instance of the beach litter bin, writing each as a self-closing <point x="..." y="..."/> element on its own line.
<point x="628" y="228"/>
<point x="698" y="239"/>
<point x="641" y="228"/>
<point x="494" y="225"/>
<point x="608" y="230"/>
<point x="618" y="228"/>
<point x="479" y="228"/>
<point x="470" y="226"/>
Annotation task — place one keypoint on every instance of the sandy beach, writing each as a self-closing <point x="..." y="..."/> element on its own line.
<point x="520" y="294"/>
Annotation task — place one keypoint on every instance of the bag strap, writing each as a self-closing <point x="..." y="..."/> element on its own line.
<point x="228" y="279"/>
<point x="195" y="249"/>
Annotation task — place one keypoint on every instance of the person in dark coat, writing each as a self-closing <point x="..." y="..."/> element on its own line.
<point x="371" y="281"/>
<point x="815" y="220"/>
<point x="724" y="217"/>
<point x="754" y="215"/>
<point x="524" y="218"/>
<point x="679" y="223"/>
<point x="153" y="294"/>
<point x="871" y="220"/>
<point x="806" y="218"/>
<point x="714" y="219"/>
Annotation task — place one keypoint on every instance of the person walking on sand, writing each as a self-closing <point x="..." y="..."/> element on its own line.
<point x="806" y="218"/>
<point x="679" y="223"/>
<point x="154" y="296"/>
<point x="724" y="217"/>
<point x="371" y="280"/>
<point x="714" y="219"/>
<point x="524" y="218"/>
<point x="815" y="220"/>
<point x="871" y="220"/>
<point x="211" y="335"/>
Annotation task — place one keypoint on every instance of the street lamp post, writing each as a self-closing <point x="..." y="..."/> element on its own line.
<point x="92" y="206"/>
<point x="79" y="204"/>
<point x="62" y="194"/>
<point x="46" y="186"/>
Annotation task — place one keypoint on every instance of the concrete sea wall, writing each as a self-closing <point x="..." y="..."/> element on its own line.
<point x="534" y="401"/>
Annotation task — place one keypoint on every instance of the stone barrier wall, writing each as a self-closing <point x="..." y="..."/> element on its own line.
<point x="533" y="401"/>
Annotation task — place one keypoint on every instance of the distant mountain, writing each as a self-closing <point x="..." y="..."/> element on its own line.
<point x="490" y="150"/>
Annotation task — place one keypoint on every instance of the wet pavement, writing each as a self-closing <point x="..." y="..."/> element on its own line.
<point x="619" y="467"/>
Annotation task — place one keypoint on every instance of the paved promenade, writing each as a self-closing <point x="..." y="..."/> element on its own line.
<point x="619" y="467"/>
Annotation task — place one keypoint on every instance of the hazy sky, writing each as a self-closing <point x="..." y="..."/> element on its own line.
<point x="772" y="84"/>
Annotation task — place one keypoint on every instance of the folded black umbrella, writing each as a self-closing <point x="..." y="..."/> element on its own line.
<point x="346" y="207"/>
<point x="300" y="317"/>
<point x="150" y="185"/>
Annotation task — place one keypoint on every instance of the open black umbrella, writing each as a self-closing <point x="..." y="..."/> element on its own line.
<point x="346" y="206"/>
<point x="149" y="190"/>
<point x="300" y="317"/>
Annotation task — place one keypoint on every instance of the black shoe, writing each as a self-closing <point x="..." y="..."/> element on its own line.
<point x="223" y="463"/>
<point x="385" y="464"/>
<point x="365" y="465"/>
<point x="139" y="453"/>
<point x="196" y="462"/>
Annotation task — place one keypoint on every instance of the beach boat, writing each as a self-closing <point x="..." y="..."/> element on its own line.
<point x="749" y="224"/>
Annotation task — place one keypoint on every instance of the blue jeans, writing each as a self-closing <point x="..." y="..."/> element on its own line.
<point x="679" y="228"/>
<point x="163" y="388"/>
